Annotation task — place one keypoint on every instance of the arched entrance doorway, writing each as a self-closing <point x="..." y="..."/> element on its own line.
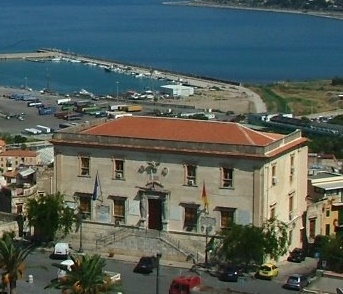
<point x="153" y="206"/>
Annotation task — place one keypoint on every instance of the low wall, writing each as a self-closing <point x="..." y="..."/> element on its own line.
<point x="9" y="227"/>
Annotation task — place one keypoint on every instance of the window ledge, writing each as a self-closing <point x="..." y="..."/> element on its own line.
<point x="191" y="186"/>
<point x="85" y="176"/>
<point x="227" y="188"/>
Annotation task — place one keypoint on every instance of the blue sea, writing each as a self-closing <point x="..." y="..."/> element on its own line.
<point x="229" y="44"/>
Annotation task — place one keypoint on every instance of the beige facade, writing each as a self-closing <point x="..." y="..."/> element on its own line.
<point x="157" y="181"/>
<point x="13" y="159"/>
<point x="325" y="192"/>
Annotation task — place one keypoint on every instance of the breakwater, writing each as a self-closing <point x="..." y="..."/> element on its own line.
<point x="185" y="78"/>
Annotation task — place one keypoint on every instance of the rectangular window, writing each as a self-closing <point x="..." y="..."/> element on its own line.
<point x="290" y="237"/>
<point x="312" y="232"/>
<point x="274" y="178"/>
<point x="191" y="218"/>
<point x="119" y="209"/>
<point x="227" y="177"/>
<point x="84" y="166"/>
<point x="290" y="204"/>
<point x="191" y="175"/>
<point x="274" y="170"/>
<point x="328" y="213"/>
<point x="227" y="218"/>
<point x="119" y="168"/>
<point x="327" y="229"/>
<point x="292" y="168"/>
<point x="85" y="204"/>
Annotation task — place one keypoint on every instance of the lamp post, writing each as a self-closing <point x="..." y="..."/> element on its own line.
<point x="79" y="222"/>
<point x="158" y="256"/>
<point x="207" y="224"/>
<point x="207" y="230"/>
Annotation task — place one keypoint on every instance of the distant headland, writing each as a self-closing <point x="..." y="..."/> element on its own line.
<point x="336" y="13"/>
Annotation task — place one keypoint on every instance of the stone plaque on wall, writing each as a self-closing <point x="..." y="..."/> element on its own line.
<point x="133" y="207"/>
<point x="103" y="214"/>
<point x="243" y="217"/>
<point x="175" y="212"/>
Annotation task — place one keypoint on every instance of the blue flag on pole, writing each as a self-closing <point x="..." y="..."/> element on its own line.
<point x="96" y="191"/>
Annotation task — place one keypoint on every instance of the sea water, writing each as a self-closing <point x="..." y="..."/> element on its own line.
<point x="235" y="45"/>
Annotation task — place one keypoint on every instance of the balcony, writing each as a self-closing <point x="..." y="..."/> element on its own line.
<point x="23" y="190"/>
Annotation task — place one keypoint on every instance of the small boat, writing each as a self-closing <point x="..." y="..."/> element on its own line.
<point x="35" y="60"/>
<point x="56" y="59"/>
<point x="84" y="92"/>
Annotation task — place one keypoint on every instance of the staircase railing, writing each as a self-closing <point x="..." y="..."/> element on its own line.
<point x="190" y="252"/>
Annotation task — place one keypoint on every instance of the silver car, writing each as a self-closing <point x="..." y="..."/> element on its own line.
<point x="296" y="282"/>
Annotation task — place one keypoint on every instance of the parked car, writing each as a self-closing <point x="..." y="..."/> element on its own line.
<point x="296" y="255"/>
<point x="267" y="271"/>
<point x="296" y="282"/>
<point x="146" y="265"/>
<point x="229" y="273"/>
<point x="61" y="251"/>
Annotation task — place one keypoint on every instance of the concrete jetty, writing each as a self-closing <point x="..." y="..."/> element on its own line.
<point x="28" y="55"/>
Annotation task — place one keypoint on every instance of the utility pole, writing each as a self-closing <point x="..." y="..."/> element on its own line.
<point x="79" y="217"/>
<point x="158" y="256"/>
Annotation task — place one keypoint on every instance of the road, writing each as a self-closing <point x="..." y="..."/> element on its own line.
<point x="41" y="268"/>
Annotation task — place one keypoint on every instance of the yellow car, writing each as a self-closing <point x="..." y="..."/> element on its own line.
<point x="267" y="271"/>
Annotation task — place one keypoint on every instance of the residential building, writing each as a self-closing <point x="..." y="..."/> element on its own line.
<point x="2" y="146"/>
<point x="18" y="178"/>
<point x="181" y="176"/>
<point x="15" y="158"/>
<point x="325" y="192"/>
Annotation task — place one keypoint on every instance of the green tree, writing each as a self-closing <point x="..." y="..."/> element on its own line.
<point x="331" y="250"/>
<point x="250" y="244"/>
<point x="49" y="214"/>
<point x="86" y="277"/>
<point x="275" y="235"/>
<point x="12" y="257"/>
<point x="242" y="244"/>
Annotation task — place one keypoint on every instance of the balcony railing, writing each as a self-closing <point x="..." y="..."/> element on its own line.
<point x="23" y="191"/>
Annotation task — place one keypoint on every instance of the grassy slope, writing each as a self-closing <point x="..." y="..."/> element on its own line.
<point x="300" y="98"/>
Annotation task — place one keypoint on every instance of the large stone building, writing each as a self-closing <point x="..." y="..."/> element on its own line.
<point x="154" y="174"/>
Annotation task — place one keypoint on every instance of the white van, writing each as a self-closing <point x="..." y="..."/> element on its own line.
<point x="61" y="250"/>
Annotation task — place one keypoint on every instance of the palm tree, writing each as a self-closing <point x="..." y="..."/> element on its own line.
<point x="86" y="277"/>
<point x="12" y="257"/>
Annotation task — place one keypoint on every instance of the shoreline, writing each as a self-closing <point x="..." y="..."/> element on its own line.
<point x="330" y="15"/>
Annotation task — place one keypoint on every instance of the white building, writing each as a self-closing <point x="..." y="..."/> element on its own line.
<point x="177" y="90"/>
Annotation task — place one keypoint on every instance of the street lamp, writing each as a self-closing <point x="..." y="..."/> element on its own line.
<point x="158" y="256"/>
<point x="79" y="220"/>
<point x="207" y="230"/>
<point x="207" y="224"/>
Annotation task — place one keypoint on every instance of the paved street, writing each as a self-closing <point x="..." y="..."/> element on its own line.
<point x="40" y="266"/>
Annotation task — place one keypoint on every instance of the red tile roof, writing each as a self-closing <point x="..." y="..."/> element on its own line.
<point x="19" y="153"/>
<point x="184" y="130"/>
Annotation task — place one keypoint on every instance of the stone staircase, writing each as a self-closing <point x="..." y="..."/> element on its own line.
<point x="138" y="242"/>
